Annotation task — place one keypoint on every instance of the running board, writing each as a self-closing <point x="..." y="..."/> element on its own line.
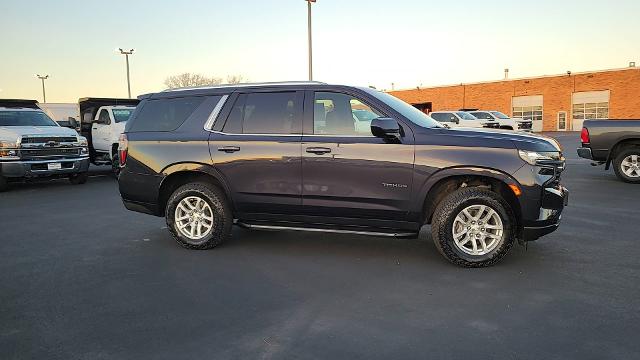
<point x="335" y="231"/>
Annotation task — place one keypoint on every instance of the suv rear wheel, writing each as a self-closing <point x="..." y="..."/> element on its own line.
<point x="198" y="216"/>
<point x="627" y="165"/>
<point x="473" y="227"/>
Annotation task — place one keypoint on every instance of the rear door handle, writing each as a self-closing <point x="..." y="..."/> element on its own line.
<point x="318" y="150"/>
<point x="229" y="149"/>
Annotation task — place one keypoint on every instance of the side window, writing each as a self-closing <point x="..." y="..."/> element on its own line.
<point x="264" y="113"/>
<point x="341" y="114"/>
<point x="442" y="117"/>
<point x="165" y="114"/>
<point x="103" y="117"/>
<point x="482" y="115"/>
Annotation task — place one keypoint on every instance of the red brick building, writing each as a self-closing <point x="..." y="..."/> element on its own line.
<point x="559" y="102"/>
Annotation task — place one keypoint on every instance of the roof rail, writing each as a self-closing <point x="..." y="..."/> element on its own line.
<point x="243" y="85"/>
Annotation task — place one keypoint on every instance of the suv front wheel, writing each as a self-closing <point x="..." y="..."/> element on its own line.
<point x="198" y="216"/>
<point x="473" y="227"/>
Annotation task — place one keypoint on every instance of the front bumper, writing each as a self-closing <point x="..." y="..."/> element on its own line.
<point x="39" y="168"/>
<point x="585" y="153"/>
<point x="553" y="202"/>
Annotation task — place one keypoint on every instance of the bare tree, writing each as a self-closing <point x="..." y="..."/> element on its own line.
<point x="189" y="79"/>
<point x="235" y="79"/>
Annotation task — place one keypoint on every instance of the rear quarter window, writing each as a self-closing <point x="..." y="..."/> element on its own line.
<point x="164" y="114"/>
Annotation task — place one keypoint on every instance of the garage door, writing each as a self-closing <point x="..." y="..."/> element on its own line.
<point x="528" y="108"/>
<point x="589" y="105"/>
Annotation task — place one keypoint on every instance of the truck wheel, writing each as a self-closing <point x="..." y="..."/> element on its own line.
<point x="79" y="178"/>
<point x="627" y="165"/>
<point x="3" y="184"/>
<point x="473" y="227"/>
<point x="115" y="164"/>
<point x="198" y="216"/>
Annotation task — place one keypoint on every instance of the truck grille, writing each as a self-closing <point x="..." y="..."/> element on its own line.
<point x="47" y="154"/>
<point x="524" y="125"/>
<point x="47" y="139"/>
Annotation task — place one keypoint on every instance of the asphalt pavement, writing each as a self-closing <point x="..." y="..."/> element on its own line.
<point x="83" y="278"/>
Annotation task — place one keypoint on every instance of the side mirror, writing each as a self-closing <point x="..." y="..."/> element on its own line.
<point x="455" y="120"/>
<point x="386" y="128"/>
<point x="72" y="122"/>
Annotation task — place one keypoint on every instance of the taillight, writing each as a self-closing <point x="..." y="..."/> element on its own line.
<point x="123" y="147"/>
<point x="584" y="136"/>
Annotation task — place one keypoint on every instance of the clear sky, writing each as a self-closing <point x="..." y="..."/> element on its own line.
<point x="373" y="42"/>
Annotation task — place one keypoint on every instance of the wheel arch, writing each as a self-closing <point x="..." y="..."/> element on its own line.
<point x="447" y="181"/>
<point x="623" y="143"/>
<point x="177" y="175"/>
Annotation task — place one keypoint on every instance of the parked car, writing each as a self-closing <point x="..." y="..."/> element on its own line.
<point x="250" y="155"/>
<point x="32" y="145"/>
<point x="613" y="141"/>
<point x="103" y="120"/>
<point x="505" y="122"/>
<point x="462" y="119"/>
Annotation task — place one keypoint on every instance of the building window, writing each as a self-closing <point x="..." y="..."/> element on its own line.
<point x="593" y="110"/>
<point x="528" y="112"/>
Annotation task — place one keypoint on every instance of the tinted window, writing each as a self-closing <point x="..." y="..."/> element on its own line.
<point x="103" y="117"/>
<point x="265" y="113"/>
<point x="482" y="115"/>
<point x="165" y="114"/>
<point x="121" y="115"/>
<point x="438" y="116"/>
<point x="341" y="114"/>
<point x="25" y="118"/>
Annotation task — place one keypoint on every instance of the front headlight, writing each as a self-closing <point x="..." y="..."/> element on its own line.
<point x="82" y="141"/>
<point x="9" y="150"/>
<point x="8" y="144"/>
<point x="535" y="157"/>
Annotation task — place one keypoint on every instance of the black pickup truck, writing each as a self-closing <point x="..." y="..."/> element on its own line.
<point x="613" y="141"/>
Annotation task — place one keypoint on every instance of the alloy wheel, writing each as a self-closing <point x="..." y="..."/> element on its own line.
<point x="477" y="230"/>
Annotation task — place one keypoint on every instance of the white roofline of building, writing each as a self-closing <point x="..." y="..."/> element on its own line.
<point x="519" y="79"/>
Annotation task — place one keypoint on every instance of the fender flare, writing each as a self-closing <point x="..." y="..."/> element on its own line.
<point x="196" y="167"/>
<point x="443" y="174"/>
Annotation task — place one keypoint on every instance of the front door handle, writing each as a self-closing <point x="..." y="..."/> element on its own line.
<point x="318" y="150"/>
<point x="229" y="149"/>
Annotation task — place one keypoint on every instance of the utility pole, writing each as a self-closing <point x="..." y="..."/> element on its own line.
<point x="126" y="55"/>
<point x="43" y="78"/>
<point x="309" y="36"/>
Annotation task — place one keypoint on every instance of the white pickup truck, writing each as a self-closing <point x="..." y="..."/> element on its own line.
<point x="103" y="120"/>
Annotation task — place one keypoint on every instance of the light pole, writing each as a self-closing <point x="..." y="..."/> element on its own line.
<point x="43" y="78"/>
<point x="126" y="54"/>
<point x="309" y="35"/>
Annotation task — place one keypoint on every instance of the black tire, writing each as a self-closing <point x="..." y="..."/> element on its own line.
<point x="617" y="165"/>
<point x="115" y="164"/>
<point x="79" y="178"/>
<point x="222" y="215"/>
<point x="451" y="206"/>
<point x="3" y="184"/>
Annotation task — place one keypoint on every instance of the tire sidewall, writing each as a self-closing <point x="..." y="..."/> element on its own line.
<point x="222" y="218"/>
<point x="447" y="245"/>
<point x="618" y="165"/>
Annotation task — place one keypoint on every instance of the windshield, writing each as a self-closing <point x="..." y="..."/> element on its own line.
<point x="414" y="115"/>
<point x="25" y="118"/>
<point x="499" y="115"/>
<point x="466" y="116"/>
<point x="121" y="115"/>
